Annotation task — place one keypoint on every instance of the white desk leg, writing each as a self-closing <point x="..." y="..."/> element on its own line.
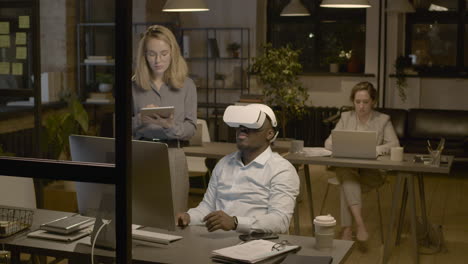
<point x="412" y="204"/>
<point x="396" y="194"/>
<point x="309" y="196"/>
<point x="297" y="230"/>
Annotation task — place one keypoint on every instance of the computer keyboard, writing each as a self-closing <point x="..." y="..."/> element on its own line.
<point x="154" y="237"/>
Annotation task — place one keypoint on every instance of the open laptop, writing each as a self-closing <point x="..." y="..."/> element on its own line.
<point x="151" y="180"/>
<point x="354" y="144"/>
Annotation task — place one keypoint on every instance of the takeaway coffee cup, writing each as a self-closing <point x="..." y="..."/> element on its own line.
<point x="324" y="231"/>
<point x="296" y="146"/>
<point x="396" y="154"/>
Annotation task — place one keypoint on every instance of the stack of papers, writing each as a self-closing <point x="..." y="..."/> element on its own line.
<point x="316" y="152"/>
<point x="251" y="252"/>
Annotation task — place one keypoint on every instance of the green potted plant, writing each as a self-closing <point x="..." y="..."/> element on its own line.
<point x="219" y="80"/>
<point x="401" y="64"/>
<point x="234" y="48"/>
<point x="105" y="81"/>
<point x="60" y="125"/>
<point x="277" y="69"/>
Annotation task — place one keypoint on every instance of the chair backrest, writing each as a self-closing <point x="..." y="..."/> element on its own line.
<point x="205" y="131"/>
<point x="17" y="191"/>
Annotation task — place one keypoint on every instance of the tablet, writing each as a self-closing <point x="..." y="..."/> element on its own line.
<point x="164" y="111"/>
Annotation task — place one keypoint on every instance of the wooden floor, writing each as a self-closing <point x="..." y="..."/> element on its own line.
<point x="447" y="205"/>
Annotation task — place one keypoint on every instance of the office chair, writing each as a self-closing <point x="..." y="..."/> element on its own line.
<point x="197" y="165"/>
<point x="335" y="182"/>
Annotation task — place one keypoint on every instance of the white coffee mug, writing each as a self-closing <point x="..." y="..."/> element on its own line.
<point x="296" y="146"/>
<point x="324" y="231"/>
<point x="396" y="154"/>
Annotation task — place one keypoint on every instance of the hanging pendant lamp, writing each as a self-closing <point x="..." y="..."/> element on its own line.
<point x="185" y="6"/>
<point x="345" y="3"/>
<point x="400" y="6"/>
<point x="295" y="8"/>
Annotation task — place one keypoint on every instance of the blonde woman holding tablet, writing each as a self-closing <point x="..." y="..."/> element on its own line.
<point x="161" y="80"/>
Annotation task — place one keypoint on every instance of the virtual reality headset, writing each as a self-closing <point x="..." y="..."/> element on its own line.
<point x="251" y="116"/>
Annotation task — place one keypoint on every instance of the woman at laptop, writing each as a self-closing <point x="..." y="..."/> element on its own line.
<point x="362" y="118"/>
<point x="161" y="80"/>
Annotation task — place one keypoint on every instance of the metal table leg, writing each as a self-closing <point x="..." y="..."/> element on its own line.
<point x="412" y="205"/>
<point x="404" y="200"/>
<point x="396" y="194"/>
<point x="309" y="196"/>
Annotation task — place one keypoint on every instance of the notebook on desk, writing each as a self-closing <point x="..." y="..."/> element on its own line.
<point x="354" y="144"/>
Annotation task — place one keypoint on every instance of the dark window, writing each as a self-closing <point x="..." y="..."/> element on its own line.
<point x="437" y="36"/>
<point x="321" y="36"/>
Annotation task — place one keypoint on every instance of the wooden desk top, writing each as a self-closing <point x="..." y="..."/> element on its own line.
<point x="382" y="162"/>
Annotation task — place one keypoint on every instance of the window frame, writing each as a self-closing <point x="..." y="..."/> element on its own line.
<point x="318" y="15"/>
<point x="459" y="18"/>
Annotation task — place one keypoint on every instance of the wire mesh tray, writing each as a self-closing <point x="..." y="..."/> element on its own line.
<point x="14" y="220"/>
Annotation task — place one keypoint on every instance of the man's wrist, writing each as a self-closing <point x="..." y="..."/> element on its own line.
<point x="236" y="222"/>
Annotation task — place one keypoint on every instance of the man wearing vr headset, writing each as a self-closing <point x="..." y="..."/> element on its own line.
<point x="253" y="189"/>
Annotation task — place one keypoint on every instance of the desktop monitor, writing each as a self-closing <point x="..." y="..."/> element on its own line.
<point x="151" y="180"/>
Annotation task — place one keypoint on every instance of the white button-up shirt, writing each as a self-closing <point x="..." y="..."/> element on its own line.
<point x="261" y="194"/>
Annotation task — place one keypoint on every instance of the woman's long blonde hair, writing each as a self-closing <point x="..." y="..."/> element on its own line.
<point x="176" y="73"/>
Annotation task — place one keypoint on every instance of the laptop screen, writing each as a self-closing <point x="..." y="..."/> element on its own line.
<point x="354" y="144"/>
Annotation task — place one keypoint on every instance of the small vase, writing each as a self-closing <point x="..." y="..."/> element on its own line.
<point x="334" y="67"/>
<point x="105" y="87"/>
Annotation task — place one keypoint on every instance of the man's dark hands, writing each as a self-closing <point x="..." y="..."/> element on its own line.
<point x="183" y="219"/>
<point x="219" y="220"/>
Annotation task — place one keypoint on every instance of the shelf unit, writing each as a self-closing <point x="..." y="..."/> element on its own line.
<point x="208" y="56"/>
<point x="86" y="72"/>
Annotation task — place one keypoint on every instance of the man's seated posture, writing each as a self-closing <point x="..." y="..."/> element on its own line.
<point x="253" y="189"/>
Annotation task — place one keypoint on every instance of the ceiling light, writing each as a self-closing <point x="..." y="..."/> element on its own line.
<point x="400" y="6"/>
<point x="295" y="8"/>
<point x="345" y="3"/>
<point x="437" y="8"/>
<point x="185" y="6"/>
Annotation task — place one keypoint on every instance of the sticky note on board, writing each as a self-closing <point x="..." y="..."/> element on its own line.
<point x="4" y="27"/>
<point x="4" y="41"/>
<point x="20" y="38"/>
<point x="4" y="68"/>
<point x="21" y="53"/>
<point x="23" y="21"/>
<point x="17" y="68"/>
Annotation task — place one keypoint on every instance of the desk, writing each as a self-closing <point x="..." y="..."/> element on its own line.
<point x="406" y="169"/>
<point x="195" y="247"/>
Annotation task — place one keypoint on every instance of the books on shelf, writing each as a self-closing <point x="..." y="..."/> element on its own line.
<point x="68" y="224"/>
<point x="100" y="98"/>
<point x="101" y="95"/>
<point x="252" y="252"/>
<point x="99" y="59"/>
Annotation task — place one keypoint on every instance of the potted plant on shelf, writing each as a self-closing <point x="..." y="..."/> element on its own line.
<point x="219" y="80"/>
<point x="234" y="49"/>
<point x="277" y="69"/>
<point x="402" y="63"/>
<point x="105" y="81"/>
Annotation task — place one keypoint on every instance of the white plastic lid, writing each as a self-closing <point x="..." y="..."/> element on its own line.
<point x="325" y="220"/>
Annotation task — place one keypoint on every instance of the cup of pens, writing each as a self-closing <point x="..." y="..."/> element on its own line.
<point x="435" y="153"/>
